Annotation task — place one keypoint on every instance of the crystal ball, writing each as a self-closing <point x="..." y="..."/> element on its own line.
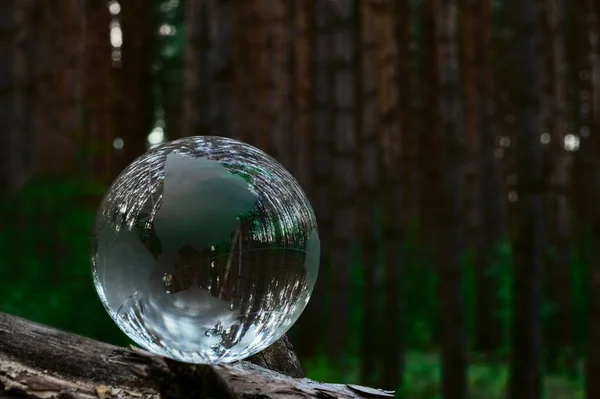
<point x="205" y="250"/>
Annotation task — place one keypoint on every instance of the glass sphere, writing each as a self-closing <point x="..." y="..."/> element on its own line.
<point x="205" y="250"/>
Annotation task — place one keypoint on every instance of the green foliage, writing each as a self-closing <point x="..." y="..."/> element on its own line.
<point x="422" y="378"/>
<point x="44" y="253"/>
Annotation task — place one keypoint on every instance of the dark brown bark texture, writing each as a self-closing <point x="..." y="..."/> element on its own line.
<point x="493" y="214"/>
<point x="369" y="127"/>
<point x="592" y="179"/>
<point x="133" y="78"/>
<point x="40" y="362"/>
<point x="343" y="173"/>
<point x="526" y="335"/>
<point x="449" y="213"/>
<point x="557" y="170"/>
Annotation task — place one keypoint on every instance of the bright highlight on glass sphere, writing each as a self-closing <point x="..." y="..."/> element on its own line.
<point x="205" y="250"/>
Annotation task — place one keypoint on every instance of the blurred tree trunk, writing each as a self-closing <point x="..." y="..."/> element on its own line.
<point x="279" y="103"/>
<point x="18" y="165"/>
<point x="427" y="145"/>
<point x="169" y="74"/>
<point x="525" y="379"/>
<point x="207" y="105"/>
<point x="504" y="36"/>
<point x="492" y="224"/>
<point x="593" y="189"/>
<point x="197" y="68"/>
<point x="135" y="106"/>
<point x="559" y="265"/>
<point x="252" y="74"/>
<point x="194" y="100"/>
<point x="393" y="123"/>
<point x="470" y="99"/>
<point x="344" y="176"/>
<point x="220" y="30"/>
<point x="7" y="55"/>
<point x="321" y="144"/>
<point x="579" y="50"/>
<point x="369" y="127"/>
<point x="51" y="69"/>
<point x="407" y="103"/>
<point x="221" y="94"/>
<point x="429" y="148"/>
<point x="302" y="89"/>
<point x="56" y="62"/>
<point x="101" y="94"/>
<point x="450" y="203"/>
<point x="404" y="214"/>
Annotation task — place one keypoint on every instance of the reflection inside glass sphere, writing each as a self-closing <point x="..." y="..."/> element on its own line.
<point x="205" y="250"/>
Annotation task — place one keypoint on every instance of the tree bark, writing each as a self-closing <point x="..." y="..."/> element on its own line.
<point x="279" y="99"/>
<point x="369" y="126"/>
<point x="560" y="335"/>
<point x="194" y="101"/>
<point x="449" y="214"/>
<point x="592" y="193"/>
<point x="321" y="125"/>
<point x="19" y="162"/>
<point x="302" y="90"/>
<point x="7" y="124"/>
<point x="40" y="362"/>
<point x="102" y="96"/>
<point x="392" y="129"/>
<point x="491" y="198"/>
<point x="344" y="197"/>
<point x="134" y="80"/>
<point x="526" y="335"/>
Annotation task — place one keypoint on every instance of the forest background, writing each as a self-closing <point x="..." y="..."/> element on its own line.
<point x="450" y="148"/>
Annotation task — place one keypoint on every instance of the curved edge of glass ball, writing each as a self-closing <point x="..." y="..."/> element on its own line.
<point x="205" y="250"/>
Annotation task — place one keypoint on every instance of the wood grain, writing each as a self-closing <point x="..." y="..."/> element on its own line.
<point x="37" y="361"/>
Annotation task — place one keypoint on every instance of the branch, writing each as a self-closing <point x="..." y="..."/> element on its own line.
<point x="41" y="362"/>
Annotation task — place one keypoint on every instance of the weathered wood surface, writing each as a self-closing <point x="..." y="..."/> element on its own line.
<point x="41" y="362"/>
<point x="280" y="357"/>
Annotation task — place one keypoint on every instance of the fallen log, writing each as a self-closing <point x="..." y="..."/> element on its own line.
<point x="40" y="362"/>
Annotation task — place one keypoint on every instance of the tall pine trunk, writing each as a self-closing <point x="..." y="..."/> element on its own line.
<point x="7" y="27"/>
<point x="302" y="90"/>
<point x="56" y="64"/>
<point x="196" y="70"/>
<point x="139" y="34"/>
<point x="492" y="206"/>
<point x="393" y="124"/>
<point x="252" y="74"/>
<point x="280" y="50"/>
<point x="102" y="94"/>
<point x="344" y="176"/>
<point x="525" y="364"/>
<point x="449" y="213"/>
<point x="559" y="263"/>
<point x="207" y="103"/>
<point x="19" y="160"/>
<point x="321" y="164"/>
<point x="408" y="104"/>
<point x="470" y="100"/>
<point x="593" y="189"/>
<point x="369" y="127"/>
